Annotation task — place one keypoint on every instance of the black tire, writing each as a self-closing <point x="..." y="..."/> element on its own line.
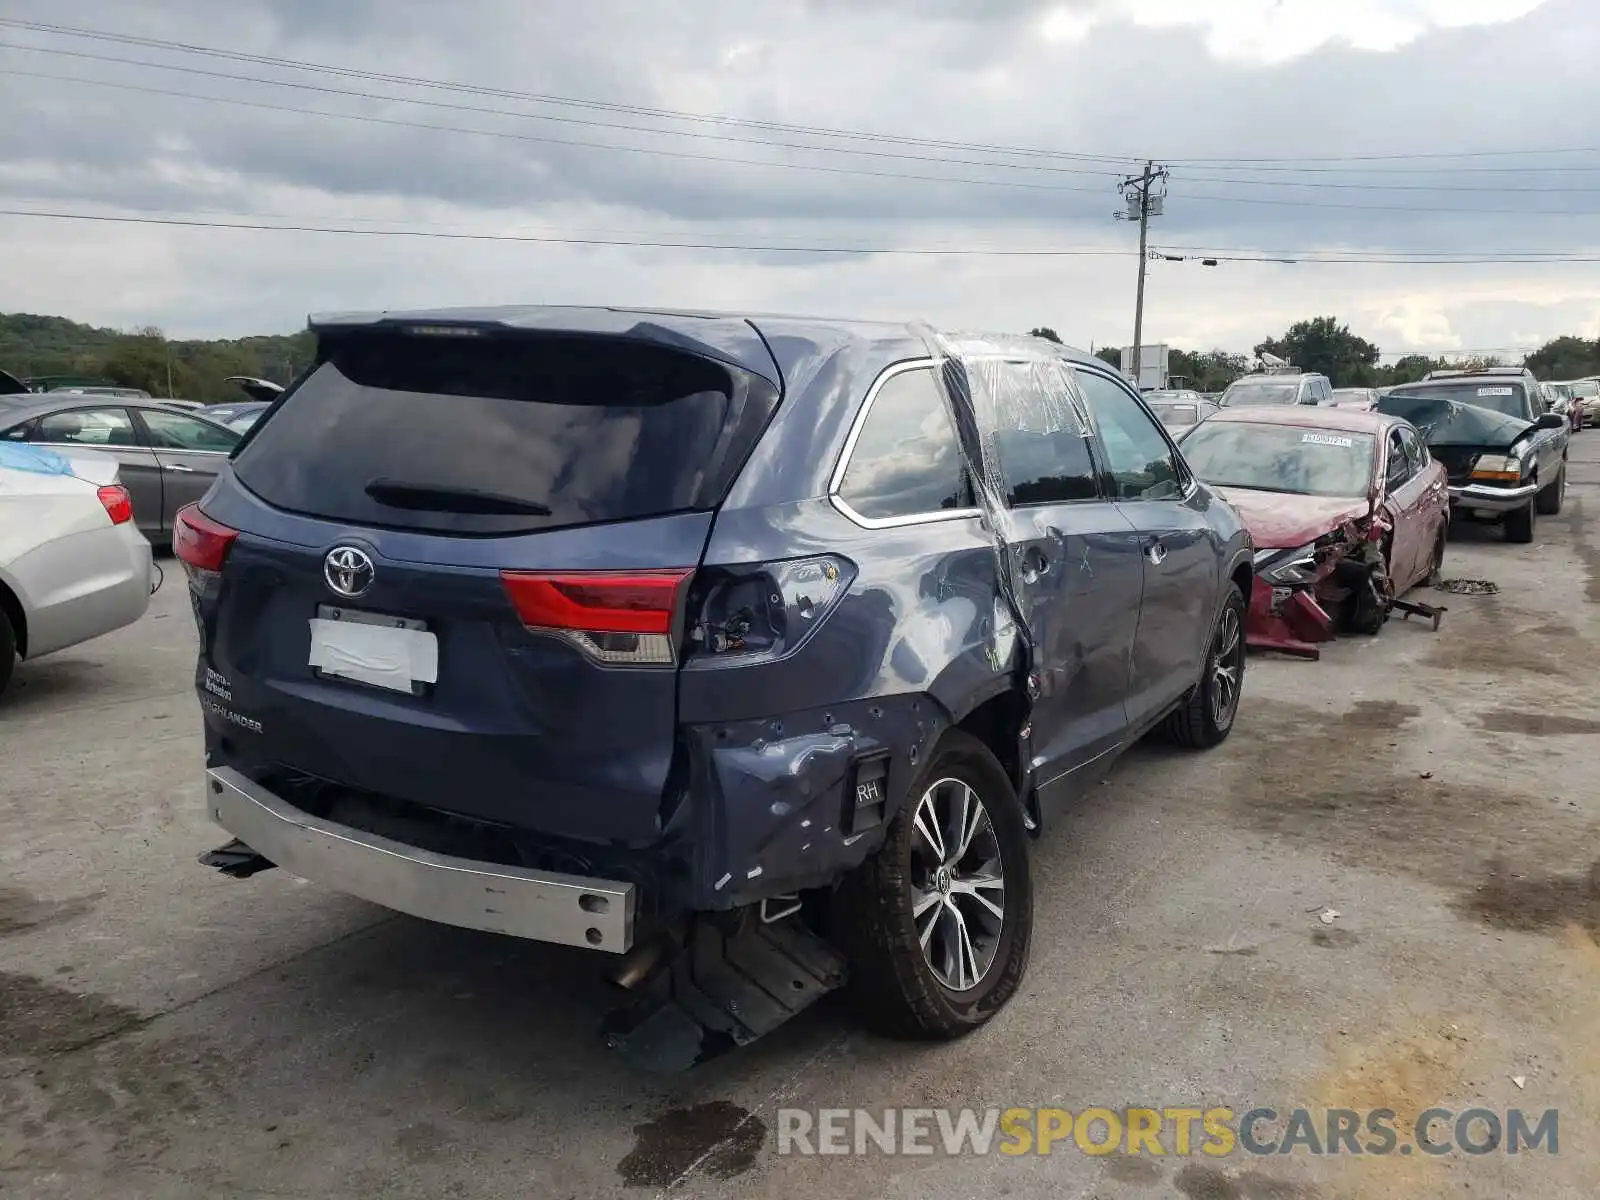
<point x="1206" y="717"/>
<point x="1550" y="499"/>
<point x="1436" y="568"/>
<point x="893" y="983"/>
<point x="1519" y="524"/>
<point x="8" y="650"/>
<point x="1365" y="611"/>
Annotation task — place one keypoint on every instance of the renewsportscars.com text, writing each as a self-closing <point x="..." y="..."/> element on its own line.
<point x="1178" y="1131"/>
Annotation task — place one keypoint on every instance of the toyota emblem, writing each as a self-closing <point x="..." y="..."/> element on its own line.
<point x="347" y="571"/>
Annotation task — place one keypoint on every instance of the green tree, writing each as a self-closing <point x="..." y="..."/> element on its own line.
<point x="1110" y="354"/>
<point x="140" y="359"/>
<point x="1209" y="370"/>
<point x="1324" y="346"/>
<point x="1565" y="358"/>
<point x="1045" y="332"/>
<point x="32" y="345"/>
<point x="1408" y="368"/>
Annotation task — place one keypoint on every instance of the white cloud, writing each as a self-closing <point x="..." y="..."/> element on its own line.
<point x="1274" y="31"/>
<point x="1196" y="79"/>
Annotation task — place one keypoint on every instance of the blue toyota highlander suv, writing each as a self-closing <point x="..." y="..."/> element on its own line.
<point x="749" y="651"/>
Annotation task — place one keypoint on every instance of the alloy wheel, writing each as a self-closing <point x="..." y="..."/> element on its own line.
<point x="957" y="882"/>
<point x="1227" y="667"/>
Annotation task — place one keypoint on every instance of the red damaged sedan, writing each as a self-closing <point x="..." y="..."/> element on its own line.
<point x="1347" y="509"/>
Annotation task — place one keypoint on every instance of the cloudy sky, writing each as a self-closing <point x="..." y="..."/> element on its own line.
<point x="1324" y="131"/>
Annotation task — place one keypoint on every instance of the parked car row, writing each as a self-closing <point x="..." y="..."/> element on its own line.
<point x="169" y="451"/>
<point x="1349" y="503"/>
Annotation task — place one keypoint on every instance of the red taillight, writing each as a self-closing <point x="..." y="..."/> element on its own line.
<point x="596" y="601"/>
<point x="617" y="617"/>
<point x="118" y="504"/>
<point x="199" y="541"/>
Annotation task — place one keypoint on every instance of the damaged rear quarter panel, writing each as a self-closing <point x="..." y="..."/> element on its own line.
<point x="919" y="640"/>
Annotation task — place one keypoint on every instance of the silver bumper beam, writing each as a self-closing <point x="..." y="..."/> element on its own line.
<point x="541" y="905"/>
<point x="1492" y="499"/>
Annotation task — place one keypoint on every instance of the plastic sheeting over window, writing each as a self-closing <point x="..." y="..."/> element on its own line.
<point x="34" y="459"/>
<point x="1012" y="400"/>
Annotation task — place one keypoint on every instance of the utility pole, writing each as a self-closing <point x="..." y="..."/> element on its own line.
<point x="1144" y="202"/>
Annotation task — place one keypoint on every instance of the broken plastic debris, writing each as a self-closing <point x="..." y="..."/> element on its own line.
<point x="1427" y="775"/>
<point x="1520" y="1080"/>
<point x="1328" y="916"/>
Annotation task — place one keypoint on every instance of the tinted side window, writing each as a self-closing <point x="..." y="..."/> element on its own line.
<point x="1399" y="468"/>
<point x="1139" y="460"/>
<point x="171" y="431"/>
<point x="906" y="461"/>
<point x="1416" y="452"/>
<point x="86" y="427"/>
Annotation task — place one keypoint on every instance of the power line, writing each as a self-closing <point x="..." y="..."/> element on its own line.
<point x="1274" y="163"/>
<point x="1311" y="257"/>
<point x="324" y="89"/>
<point x="1344" y="158"/>
<point x="1535" y="212"/>
<point x="395" y="122"/>
<point x="540" y="239"/>
<point x="542" y="98"/>
<point x="652" y="151"/>
<point x="1391" y="187"/>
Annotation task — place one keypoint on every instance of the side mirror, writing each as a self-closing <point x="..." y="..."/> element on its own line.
<point x="1550" y="420"/>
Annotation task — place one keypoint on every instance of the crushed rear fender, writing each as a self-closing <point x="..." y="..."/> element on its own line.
<point x="777" y="806"/>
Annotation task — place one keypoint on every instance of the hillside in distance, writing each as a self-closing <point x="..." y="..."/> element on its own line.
<point x="34" y="345"/>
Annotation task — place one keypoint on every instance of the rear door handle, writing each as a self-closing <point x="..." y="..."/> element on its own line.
<point x="1155" y="551"/>
<point x="179" y="468"/>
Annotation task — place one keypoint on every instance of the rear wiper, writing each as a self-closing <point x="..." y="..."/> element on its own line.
<point x="427" y="497"/>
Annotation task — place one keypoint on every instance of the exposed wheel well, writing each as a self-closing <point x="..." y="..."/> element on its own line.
<point x="12" y="607"/>
<point x="997" y="723"/>
<point x="1244" y="575"/>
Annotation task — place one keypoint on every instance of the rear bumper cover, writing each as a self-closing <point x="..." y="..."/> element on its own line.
<point x="540" y="905"/>
<point x="1493" y="499"/>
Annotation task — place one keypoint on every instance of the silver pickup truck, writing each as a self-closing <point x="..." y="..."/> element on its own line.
<point x="1504" y="452"/>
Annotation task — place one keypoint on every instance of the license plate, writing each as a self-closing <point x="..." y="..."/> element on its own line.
<point x="398" y="654"/>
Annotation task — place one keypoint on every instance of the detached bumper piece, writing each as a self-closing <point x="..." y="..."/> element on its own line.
<point x="543" y="906"/>
<point x="1291" y="624"/>
<point x="725" y="988"/>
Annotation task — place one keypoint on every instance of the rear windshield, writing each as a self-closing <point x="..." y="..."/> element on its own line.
<point x="1244" y="395"/>
<point x="1175" y="414"/>
<point x="1507" y="398"/>
<point x="499" y="435"/>
<point x="1584" y="387"/>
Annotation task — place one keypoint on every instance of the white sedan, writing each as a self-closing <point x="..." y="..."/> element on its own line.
<point x="73" y="564"/>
